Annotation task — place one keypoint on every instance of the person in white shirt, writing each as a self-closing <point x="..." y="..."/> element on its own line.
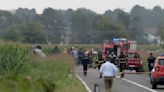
<point x="38" y="50"/>
<point x="108" y="70"/>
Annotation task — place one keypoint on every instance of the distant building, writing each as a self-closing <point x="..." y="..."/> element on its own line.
<point x="152" y="39"/>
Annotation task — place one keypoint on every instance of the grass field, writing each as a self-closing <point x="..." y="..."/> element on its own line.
<point x="21" y="71"/>
<point x="145" y="50"/>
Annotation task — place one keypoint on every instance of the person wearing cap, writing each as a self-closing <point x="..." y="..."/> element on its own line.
<point x="108" y="70"/>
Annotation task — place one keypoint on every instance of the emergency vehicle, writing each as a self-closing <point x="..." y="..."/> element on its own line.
<point x="157" y="73"/>
<point x="118" y="45"/>
<point x="128" y="47"/>
<point x="133" y="61"/>
<point x="107" y="48"/>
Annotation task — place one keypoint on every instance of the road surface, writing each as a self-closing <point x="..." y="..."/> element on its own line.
<point x="131" y="82"/>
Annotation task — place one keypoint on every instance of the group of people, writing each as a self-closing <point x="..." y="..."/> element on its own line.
<point x="85" y="57"/>
<point x="39" y="51"/>
<point x="107" y="67"/>
<point x="109" y="70"/>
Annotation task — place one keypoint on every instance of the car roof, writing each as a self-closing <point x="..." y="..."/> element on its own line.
<point x="160" y="57"/>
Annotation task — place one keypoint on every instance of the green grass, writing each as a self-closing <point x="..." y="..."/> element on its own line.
<point x="145" y="50"/>
<point x="149" y="47"/>
<point x="13" y="59"/>
<point x="24" y="72"/>
<point x="48" y="48"/>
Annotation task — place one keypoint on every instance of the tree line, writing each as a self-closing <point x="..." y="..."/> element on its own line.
<point x="81" y="26"/>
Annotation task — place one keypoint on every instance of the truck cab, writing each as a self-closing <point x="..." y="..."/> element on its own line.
<point x="133" y="61"/>
<point x="107" y="49"/>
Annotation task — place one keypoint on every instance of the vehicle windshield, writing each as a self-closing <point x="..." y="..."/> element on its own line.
<point x="161" y="62"/>
<point x="132" y="55"/>
<point x="108" y="50"/>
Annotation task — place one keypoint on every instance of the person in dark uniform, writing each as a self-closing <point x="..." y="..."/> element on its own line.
<point x="151" y="60"/>
<point x="122" y="63"/>
<point x="100" y="59"/>
<point x="85" y="61"/>
<point x="81" y="55"/>
<point x="112" y="57"/>
<point x="56" y="50"/>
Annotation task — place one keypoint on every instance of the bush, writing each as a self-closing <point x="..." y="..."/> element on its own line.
<point x="49" y="74"/>
<point x="12" y="59"/>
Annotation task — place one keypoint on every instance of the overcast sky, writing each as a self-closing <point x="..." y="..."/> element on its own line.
<point x="99" y="6"/>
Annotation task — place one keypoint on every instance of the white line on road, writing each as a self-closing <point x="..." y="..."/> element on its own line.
<point x="137" y="84"/>
<point x="86" y="86"/>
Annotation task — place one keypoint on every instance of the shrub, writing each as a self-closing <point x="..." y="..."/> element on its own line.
<point x="12" y="59"/>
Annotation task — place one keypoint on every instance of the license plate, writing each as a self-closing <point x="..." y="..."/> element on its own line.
<point x="131" y="65"/>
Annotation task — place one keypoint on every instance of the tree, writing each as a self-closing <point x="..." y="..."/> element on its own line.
<point x="26" y="15"/>
<point x="31" y="33"/>
<point x="161" y="31"/>
<point x="123" y="18"/>
<point x="136" y="30"/>
<point x="34" y="33"/>
<point x="104" y="23"/>
<point x="12" y="34"/>
<point x="82" y="20"/>
<point x="53" y="24"/>
<point x="108" y="28"/>
<point x="7" y="19"/>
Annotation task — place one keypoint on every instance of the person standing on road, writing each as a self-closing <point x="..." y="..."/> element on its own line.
<point x="80" y="56"/>
<point x="112" y="57"/>
<point x="151" y="60"/>
<point x="108" y="70"/>
<point x="122" y="63"/>
<point x="76" y="55"/>
<point x="85" y="61"/>
<point x="100" y="59"/>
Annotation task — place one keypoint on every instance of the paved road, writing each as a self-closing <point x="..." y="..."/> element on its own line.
<point x="120" y="85"/>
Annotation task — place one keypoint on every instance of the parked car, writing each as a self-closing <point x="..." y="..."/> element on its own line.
<point x="134" y="62"/>
<point x="157" y="73"/>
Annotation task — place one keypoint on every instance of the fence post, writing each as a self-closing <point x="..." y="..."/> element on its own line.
<point x="96" y="88"/>
<point x="69" y="73"/>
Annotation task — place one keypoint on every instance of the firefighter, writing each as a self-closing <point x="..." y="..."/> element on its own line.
<point x="112" y="57"/>
<point x="151" y="60"/>
<point x="95" y="58"/>
<point x="122" y="63"/>
<point x="85" y="61"/>
<point x="100" y="59"/>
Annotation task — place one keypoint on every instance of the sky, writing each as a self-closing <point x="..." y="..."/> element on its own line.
<point x="99" y="6"/>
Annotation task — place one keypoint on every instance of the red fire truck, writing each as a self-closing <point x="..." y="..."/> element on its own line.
<point x="118" y="45"/>
<point x="128" y="47"/>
